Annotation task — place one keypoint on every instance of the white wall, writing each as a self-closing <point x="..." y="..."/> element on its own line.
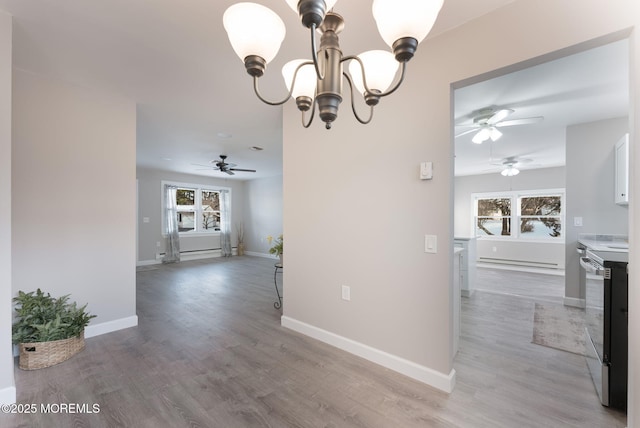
<point x="367" y="228"/>
<point x="7" y="383"/>
<point x="262" y="212"/>
<point x="590" y="189"/>
<point x="150" y="205"/>
<point x="73" y="205"/>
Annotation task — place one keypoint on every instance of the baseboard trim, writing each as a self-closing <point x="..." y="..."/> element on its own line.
<point x="256" y="254"/>
<point x="576" y="303"/>
<point x="8" y="395"/>
<point x="415" y="371"/>
<point x="110" y="326"/>
<point x="148" y="262"/>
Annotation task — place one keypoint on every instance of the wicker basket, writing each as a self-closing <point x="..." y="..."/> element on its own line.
<point x="46" y="354"/>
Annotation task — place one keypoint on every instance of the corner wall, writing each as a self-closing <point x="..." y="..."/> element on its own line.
<point x="362" y="224"/>
<point x="73" y="197"/>
<point x="263" y="213"/>
<point x="7" y="382"/>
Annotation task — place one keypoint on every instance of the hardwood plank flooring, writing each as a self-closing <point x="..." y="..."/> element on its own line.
<point x="209" y="351"/>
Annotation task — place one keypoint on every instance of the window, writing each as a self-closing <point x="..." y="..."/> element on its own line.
<point x="493" y="216"/>
<point x="538" y="215"/>
<point x="198" y="209"/>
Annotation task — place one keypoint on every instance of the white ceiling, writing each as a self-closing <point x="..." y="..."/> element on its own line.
<point x="173" y="58"/>
<point x="583" y="87"/>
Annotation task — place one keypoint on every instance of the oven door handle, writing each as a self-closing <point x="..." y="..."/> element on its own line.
<point x="585" y="262"/>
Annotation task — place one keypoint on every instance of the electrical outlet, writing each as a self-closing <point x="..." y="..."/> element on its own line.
<point x="494" y="249"/>
<point x="346" y="292"/>
<point x="157" y="244"/>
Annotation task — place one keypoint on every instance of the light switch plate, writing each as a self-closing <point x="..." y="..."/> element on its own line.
<point x="430" y="244"/>
<point x="577" y="221"/>
<point x="346" y="292"/>
<point x="426" y="170"/>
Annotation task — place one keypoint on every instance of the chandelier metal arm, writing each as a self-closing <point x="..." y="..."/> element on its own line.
<point x="293" y="84"/>
<point x="403" y="68"/>
<point x="311" y="115"/>
<point x="314" y="52"/>
<point x="353" y="106"/>
<point x="271" y="103"/>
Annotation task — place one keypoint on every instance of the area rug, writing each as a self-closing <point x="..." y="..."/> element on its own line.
<point x="560" y="327"/>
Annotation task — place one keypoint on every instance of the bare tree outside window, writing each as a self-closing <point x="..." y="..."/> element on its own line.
<point x="210" y="210"/>
<point x="541" y="215"/>
<point x="494" y="216"/>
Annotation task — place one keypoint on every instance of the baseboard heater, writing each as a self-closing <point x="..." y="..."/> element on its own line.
<point x="197" y="254"/>
<point x="528" y="263"/>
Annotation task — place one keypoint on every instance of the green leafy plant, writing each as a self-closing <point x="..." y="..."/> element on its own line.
<point x="42" y="318"/>
<point x="277" y="245"/>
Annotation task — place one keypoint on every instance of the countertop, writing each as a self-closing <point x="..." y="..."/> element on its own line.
<point x="612" y="243"/>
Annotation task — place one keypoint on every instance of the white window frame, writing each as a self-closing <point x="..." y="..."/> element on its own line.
<point x="515" y="216"/>
<point x="199" y="188"/>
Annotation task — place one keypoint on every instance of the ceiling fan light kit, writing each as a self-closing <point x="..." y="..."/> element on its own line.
<point x="510" y="171"/>
<point x="256" y="33"/>
<point x="487" y="121"/>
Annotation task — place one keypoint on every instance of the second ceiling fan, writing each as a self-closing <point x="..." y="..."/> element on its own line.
<point x="487" y="121"/>
<point x="223" y="166"/>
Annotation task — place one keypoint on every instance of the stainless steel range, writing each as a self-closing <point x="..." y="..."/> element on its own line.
<point x="607" y="323"/>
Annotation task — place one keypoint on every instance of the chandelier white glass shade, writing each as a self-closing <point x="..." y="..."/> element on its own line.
<point x="254" y="30"/>
<point x="381" y="68"/>
<point x="305" y="79"/>
<point x="397" y="19"/>
<point x="256" y="33"/>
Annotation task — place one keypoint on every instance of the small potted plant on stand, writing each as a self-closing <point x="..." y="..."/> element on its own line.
<point x="47" y="330"/>
<point x="277" y="247"/>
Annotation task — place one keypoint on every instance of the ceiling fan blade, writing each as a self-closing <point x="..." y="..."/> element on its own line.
<point x="204" y="166"/>
<point x="243" y="170"/>
<point x="466" y="132"/>
<point x="228" y="172"/>
<point x="499" y="116"/>
<point x="524" y="121"/>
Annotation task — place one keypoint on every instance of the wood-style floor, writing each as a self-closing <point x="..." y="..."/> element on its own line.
<point x="209" y="351"/>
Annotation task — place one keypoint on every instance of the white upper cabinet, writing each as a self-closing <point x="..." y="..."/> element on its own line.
<point x="622" y="171"/>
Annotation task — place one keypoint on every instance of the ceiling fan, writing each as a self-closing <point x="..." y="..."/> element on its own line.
<point x="487" y="121"/>
<point x="508" y="165"/>
<point x="223" y="166"/>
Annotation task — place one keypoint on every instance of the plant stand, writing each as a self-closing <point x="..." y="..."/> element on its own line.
<point x="278" y="267"/>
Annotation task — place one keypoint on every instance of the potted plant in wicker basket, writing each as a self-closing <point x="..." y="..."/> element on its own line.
<point x="47" y="330"/>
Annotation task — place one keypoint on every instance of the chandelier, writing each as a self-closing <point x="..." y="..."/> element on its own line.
<point x="256" y="33"/>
